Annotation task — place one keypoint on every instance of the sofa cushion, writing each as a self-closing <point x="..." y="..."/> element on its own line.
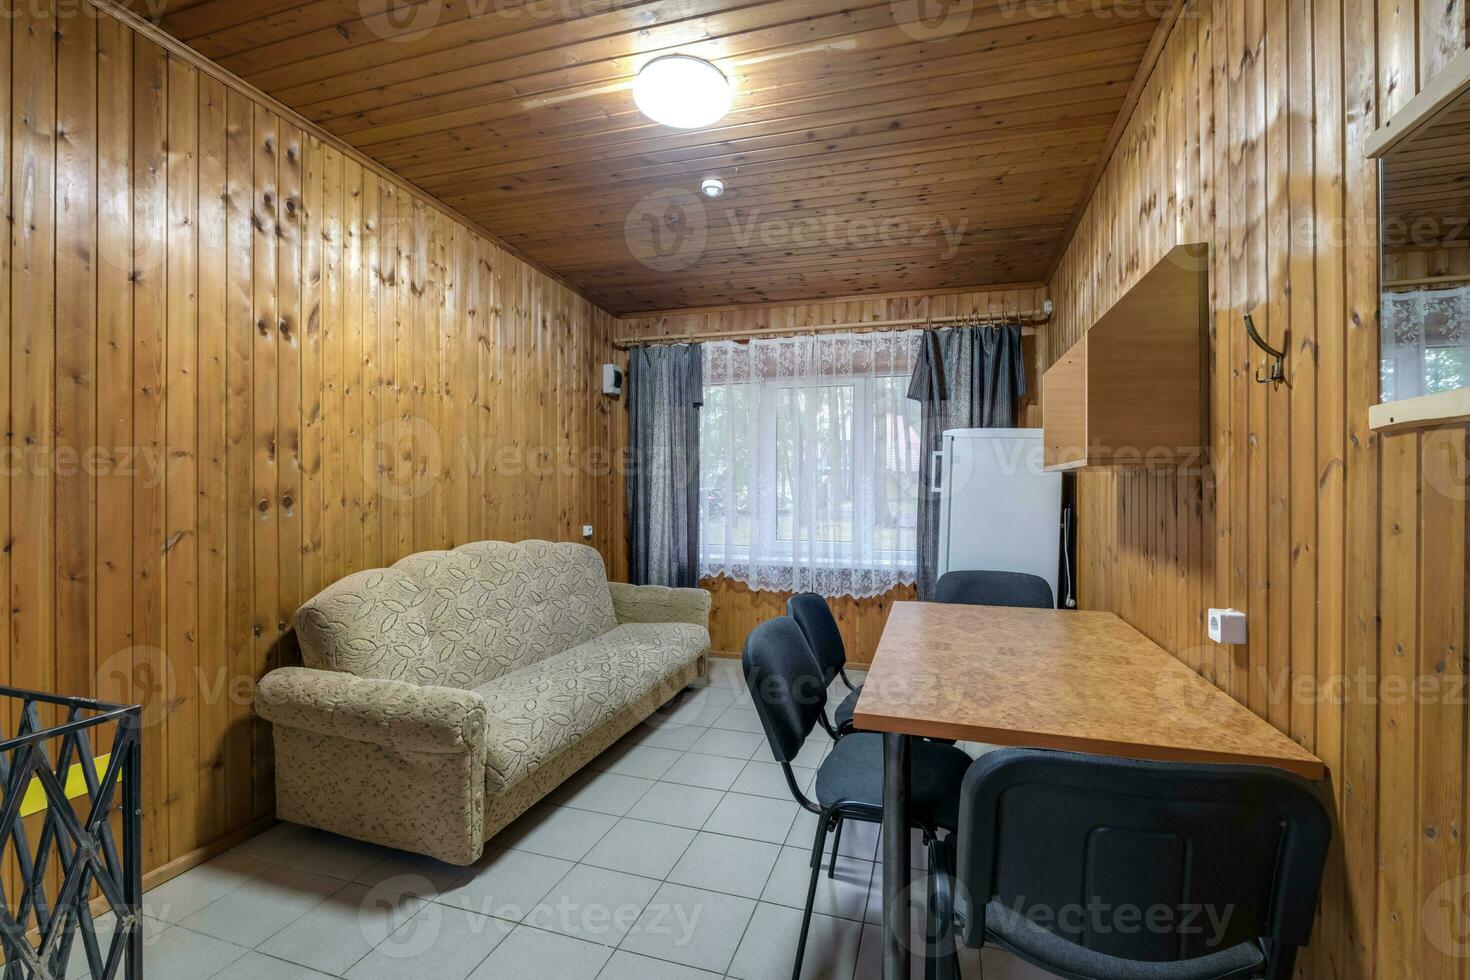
<point x="372" y="624"/>
<point x="535" y="713"/>
<point x="493" y="607"/>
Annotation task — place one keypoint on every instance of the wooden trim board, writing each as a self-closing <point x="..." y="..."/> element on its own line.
<point x="1426" y="411"/>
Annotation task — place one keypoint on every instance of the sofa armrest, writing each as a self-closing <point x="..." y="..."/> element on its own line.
<point x="394" y="714"/>
<point x="659" y="604"/>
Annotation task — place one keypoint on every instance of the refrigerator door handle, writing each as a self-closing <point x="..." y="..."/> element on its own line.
<point x="934" y="471"/>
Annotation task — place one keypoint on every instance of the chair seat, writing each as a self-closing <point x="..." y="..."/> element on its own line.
<point x="842" y="717"/>
<point x="1026" y="939"/>
<point x="853" y="771"/>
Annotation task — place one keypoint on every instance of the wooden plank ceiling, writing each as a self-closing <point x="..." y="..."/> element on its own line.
<point x="873" y="145"/>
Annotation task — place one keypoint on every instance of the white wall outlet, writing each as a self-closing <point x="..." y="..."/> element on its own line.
<point x="612" y="379"/>
<point x="1227" y="626"/>
<point x="586" y="530"/>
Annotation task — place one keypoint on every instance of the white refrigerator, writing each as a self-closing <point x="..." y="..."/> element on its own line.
<point x="999" y="510"/>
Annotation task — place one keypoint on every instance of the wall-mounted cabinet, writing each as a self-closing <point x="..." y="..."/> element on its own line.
<point x="1129" y="392"/>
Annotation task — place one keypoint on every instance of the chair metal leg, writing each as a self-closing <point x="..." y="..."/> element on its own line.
<point x="850" y="685"/>
<point x="819" y="847"/>
<point x="941" y="961"/>
<point x="827" y="726"/>
<point x="836" y="843"/>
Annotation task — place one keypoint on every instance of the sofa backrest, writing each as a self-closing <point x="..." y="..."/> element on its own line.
<point x="459" y="618"/>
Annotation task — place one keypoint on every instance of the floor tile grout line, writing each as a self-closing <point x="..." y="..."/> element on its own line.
<point x="723" y="795"/>
<point x="746" y="931"/>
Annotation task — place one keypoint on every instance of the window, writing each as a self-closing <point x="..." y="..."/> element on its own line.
<point x="809" y="463"/>
<point x="1425" y="342"/>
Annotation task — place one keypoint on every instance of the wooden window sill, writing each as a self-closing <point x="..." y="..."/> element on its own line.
<point x="1424" y="412"/>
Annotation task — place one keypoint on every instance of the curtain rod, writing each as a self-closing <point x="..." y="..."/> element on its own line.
<point x="860" y="326"/>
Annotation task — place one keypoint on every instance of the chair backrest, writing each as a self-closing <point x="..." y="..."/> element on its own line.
<point x="814" y="617"/>
<point x="785" y="683"/>
<point x="459" y="618"/>
<point x="978" y="588"/>
<point x="1218" y="855"/>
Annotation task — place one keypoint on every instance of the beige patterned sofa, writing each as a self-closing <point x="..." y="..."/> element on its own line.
<point x="445" y="695"/>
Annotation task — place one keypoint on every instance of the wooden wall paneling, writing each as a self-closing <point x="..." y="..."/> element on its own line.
<point x="1440" y="785"/>
<point x="1398" y="830"/>
<point x="1362" y="764"/>
<point x="1275" y="594"/>
<point x="523" y="390"/>
<point x="334" y="545"/>
<point x="8" y="183"/>
<point x="151" y="666"/>
<point x="214" y="689"/>
<point x="369" y="375"/>
<point x="465" y="393"/>
<point x="181" y="474"/>
<point x="313" y="503"/>
<point x="422" y="285"/>
<point x="441" y="308"/>
<point x="33" y="350"/>
<point x="286" y="329"/>
<point x="1223" y="422"/>
<point x="349" y="400"/>
<point x="113" y="579"/>
<point x="1330" y="421"/>
<point x="737" y="610"/>
<point x="380" y="458"/>
<point x="1302" y="518"/>
<point x="76" y="353"/>
<point x="1298" y="493"/>
<point x="209" y="314"/>
<point x="403" y="342"/>
<point x="240" y="509"/>
<point x="265" y="394"/>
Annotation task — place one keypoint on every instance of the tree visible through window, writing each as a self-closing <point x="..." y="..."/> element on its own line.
<point x="809" y="463"/>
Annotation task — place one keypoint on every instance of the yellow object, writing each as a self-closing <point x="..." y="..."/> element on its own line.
<point x="76" y="785"/>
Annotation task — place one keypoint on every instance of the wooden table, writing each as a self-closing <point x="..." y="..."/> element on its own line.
<point x="1080" y="681"/>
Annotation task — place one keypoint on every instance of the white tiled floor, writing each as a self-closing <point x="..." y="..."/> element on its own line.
<point x="677" y="854"/>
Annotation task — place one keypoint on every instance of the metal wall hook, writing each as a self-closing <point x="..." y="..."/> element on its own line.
<point x="1277" y="371"/>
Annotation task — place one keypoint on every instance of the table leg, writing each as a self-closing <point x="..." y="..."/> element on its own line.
<point x="895" y="856"/>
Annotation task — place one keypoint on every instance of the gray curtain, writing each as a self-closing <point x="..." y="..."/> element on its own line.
<point x="966" y="378"/>
<point x="665" y="389"/>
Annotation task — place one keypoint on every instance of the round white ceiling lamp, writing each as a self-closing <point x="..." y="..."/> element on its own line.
<point x="682" y="91"/>
<point x="712" y="187"/>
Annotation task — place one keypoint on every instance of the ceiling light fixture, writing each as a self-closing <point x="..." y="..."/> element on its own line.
<point x="712" y="187"/>
<point x="682" y="91"/>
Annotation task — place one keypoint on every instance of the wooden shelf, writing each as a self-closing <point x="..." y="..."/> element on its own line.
<point x="1424" y="412"/>
<point x="1129" y="393"/>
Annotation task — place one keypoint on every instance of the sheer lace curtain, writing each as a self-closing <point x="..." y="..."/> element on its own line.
<point x="1425" y="342"/>
<point x="809" y="463"/>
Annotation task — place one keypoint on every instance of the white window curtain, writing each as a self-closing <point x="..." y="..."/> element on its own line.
<point x="809" y="462"/>
<point x="1425" y="342"/>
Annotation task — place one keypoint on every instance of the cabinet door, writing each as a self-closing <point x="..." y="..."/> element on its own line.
<point x="1064" y="408"/>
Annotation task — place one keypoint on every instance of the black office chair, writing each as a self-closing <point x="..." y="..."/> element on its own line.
<point x="789" y="689"/>
<point x="975" y="588"/>
<point x="1098" y="868"/>
<point x="814" y="617"/>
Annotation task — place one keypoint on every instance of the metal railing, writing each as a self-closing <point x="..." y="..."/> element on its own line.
<point x="51" y="874"/>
